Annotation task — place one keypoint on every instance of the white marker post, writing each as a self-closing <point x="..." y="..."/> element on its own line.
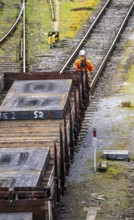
<point x="94" y="147"/>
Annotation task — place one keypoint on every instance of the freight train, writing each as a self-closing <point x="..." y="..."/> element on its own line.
<point x="40" y="119"/>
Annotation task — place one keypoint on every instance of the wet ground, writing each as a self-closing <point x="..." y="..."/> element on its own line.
<point x="114" y="124"/>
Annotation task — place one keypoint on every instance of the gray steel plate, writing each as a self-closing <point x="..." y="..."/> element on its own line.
<point x="36" y="99"/>
<point x="16" y="216"/>
<point x="21" y="167"/>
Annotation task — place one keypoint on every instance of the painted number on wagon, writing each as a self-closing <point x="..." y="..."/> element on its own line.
<point x="38" y="114"/>
<point x="7" y="115"/>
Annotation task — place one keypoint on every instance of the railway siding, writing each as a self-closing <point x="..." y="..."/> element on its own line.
<point x="10" y="50"/>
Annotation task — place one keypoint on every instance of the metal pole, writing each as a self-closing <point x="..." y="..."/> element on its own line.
<point x="50" y="209"/>
<point x="76" y="119"/>
<point x="66" y="146"/>
<point x="82" y="85"/>
<point x="24" y="39"/>
<point x="94" y="147"/>
<point x="56" y="172"/>
<point x="79" y="106"/>
<point x="71" y="137"/>
<point x="56" y="187"/>
<point x="87" y="86"/>
<point x="62" y="174"/>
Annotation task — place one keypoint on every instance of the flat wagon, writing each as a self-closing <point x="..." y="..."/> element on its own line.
<point x="40" y="119"/>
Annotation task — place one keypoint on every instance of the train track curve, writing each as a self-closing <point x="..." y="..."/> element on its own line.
<point x="13" y="54"/>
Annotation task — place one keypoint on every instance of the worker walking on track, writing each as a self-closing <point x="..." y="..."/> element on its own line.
<point x="83" y="65"/>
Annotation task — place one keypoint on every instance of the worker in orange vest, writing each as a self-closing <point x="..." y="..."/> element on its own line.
<point x="82" y="64"/>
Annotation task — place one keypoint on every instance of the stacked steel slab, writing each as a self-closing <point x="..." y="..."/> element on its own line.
<point x="36" y="99"/>
<point x="16" y="216"/>
<point x="22" y="167"/>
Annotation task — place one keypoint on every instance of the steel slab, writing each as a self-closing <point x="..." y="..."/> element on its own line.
<point x="22" y="166"/>
<point x="36" y="99"/>
<point x="16" y="216"/>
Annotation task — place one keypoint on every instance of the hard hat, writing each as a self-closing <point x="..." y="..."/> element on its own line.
<point x="82" y="53"/>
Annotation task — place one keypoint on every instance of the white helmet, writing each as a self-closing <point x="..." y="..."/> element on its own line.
<point x="82" y="53"/>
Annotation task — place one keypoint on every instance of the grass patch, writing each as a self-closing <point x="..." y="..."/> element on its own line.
<point x="125" y="70"/>
<point x="113" y="184"/>
<point x="128" y="87"/>
<point x="39" y="22"/>
<point x="73" y="15"/>
<point x="8" y="14"/>
<point x="114" y="169"/>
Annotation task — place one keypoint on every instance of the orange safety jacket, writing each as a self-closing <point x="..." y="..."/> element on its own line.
<point x="89" y="65"/>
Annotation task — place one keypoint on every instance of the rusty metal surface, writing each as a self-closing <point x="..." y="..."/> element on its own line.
<point x="10" y="77"/>
<point x="16" y="216"/>
<point x="22" y="167"/>
<point x="36" y="99"/>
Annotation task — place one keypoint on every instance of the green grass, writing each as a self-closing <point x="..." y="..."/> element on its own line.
<point x="39" y="22"/>
<point x="126" y="68"/>
<point x="38" y="25"/>
<point x="72" y="15"/>
<point x="113" y="184"/>
<point x="128" y="87"/>
<point x="8" y="14"/>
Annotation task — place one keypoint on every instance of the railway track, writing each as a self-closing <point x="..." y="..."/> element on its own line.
<point x="39" y="133"/>
<point x="101" y="34"/>
<point x="11" y="48"/>
<point x="95" y="38"/>
<point x="14" y="55"/>
<point x="101" y="90"/>
<point x="100" y="45"/>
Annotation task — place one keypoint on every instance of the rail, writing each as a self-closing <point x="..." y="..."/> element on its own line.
<point x="86" y="35"/>
<point x="24" y="39"/>
<point x="14" y="25"/>
<point x="103" y="64"/>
